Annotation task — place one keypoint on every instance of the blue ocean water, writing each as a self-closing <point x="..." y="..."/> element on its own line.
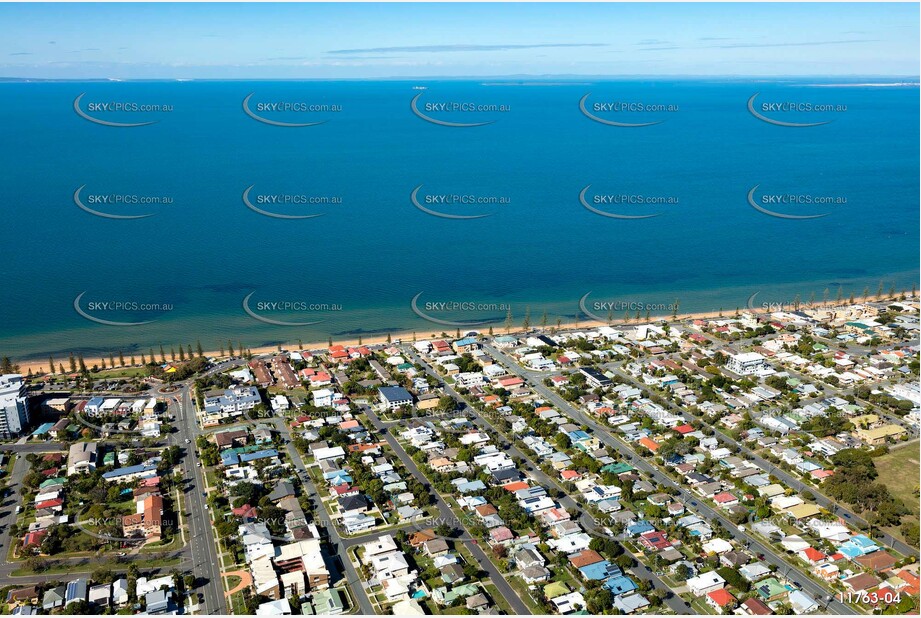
<point x="539" y="250"/>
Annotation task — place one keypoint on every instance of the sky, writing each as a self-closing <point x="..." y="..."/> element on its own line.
<point x="356" y="40"/>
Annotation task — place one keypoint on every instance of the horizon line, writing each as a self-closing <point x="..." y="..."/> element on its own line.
<point x="516" y="76"/>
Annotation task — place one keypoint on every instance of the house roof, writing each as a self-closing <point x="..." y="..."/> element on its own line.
<point x="813" y="555"/>
<point x="347" y="503"/>
<point x="585" y="558"/>
<point x="878" y="560"/>
<point x="721" y="597"/>
<point x="756" y="607"/>
<point x="418" y="538"/>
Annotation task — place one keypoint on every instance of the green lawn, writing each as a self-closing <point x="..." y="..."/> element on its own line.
<point x="238" y="603"/>
<point x="232" y="581"/>
<point x="121" y="372"/>
<point x="700" y="606"/>
<point x="898" y="470"/>
<point x="501" y="602"/>
<point x="67" y="568"/>
<point x="521" y="589"/>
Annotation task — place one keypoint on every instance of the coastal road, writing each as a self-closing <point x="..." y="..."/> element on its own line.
<point x="819" y="593"/>
<point x="447" y="515"/>
<point x="8" y="512"/>
<point x="338" y="543"/>
<point x="205" y="562"/>
<point x="672" y="600"/>
<point x="788" y="479"/>
<point x="76" y="565"/>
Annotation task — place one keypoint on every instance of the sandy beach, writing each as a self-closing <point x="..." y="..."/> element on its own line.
<point x="39" y="367"/>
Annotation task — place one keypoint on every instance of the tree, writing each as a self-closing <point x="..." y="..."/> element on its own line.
<point x="80" y="606"/>
<point x="102" y="575"/>
<point x="597" y="601"/>
<point x="910" y="531"/>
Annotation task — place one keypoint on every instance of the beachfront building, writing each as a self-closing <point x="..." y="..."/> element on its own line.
<point x="82" y="457"/>
<point x="231" y="402"/>
<point x="14" y="408"/>
<point x="393" y="397"/>
<point x="747" y="364"/>
<point x="147" y="522"/>
<point x="595" y="378"/>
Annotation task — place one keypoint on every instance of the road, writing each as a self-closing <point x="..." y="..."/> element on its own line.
<point x="205" y="562"/>
<point x="337" y="542"/>
<point x="83" y="565"/>
<point x="788" y="479"/>
<point x="447" y="515"/>
<point x="8" y="512"/>
<point x="675" y="602"/>
<point x="691" y="502"/>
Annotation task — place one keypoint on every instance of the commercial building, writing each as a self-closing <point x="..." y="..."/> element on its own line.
<point x="394" y="397"/>
<point x="14" y="405"/>
<point x="81" y="457"/>
<point x="747" y="364"/>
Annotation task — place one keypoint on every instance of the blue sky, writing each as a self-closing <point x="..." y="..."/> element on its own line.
<point x="74" y="41"/>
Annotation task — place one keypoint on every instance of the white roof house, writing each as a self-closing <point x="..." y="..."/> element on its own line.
<point x="705" y="582"/>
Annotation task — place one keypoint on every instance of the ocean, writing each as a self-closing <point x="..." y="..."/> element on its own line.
<point x="80" y="282"/>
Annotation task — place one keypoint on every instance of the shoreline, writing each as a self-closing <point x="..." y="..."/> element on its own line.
<point x="38" y="366"/>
